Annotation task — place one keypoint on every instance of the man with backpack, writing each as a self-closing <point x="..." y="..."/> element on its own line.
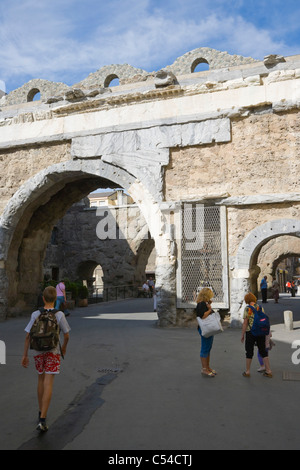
<point x="42" y="336"/>
<point x="264" y="290"/>
<point x="256" y="327"/>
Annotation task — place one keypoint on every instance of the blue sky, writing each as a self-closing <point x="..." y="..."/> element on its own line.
<point x="65" y="40"/>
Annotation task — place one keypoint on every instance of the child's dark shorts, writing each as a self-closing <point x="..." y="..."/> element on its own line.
<point x="251" y="341"/>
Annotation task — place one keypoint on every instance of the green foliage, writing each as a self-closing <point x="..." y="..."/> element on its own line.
<point x="77" y="288"/>
<point x="83" y="292"/>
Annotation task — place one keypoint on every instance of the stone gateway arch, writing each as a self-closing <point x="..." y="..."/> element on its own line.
<point x="210" y="158"/>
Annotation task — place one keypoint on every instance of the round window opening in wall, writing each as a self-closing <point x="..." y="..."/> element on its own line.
<point x="111" y="80"/>
<point x="34" y="95"/>
<point x="199" y="65"/>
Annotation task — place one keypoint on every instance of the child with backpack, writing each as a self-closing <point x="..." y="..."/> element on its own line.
<point x="256" y="327"/>
<point x="43" y="337"/>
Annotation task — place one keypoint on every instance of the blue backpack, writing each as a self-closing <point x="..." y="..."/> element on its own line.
<point x="261" y="323"/>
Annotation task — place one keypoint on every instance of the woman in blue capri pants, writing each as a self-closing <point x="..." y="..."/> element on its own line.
<point x="203" y="310"/>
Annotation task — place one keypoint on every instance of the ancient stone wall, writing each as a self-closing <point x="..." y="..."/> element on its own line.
<point x="258" y="160"/>
<point x="81" y="245"/>
<point x="20" y="164"/>
<point x="227" y="137"/>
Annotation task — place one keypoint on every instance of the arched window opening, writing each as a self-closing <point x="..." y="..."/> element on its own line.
<point x="200" y="65"/>
<point x="111" y="80"/>
<point x="34" y="95"/>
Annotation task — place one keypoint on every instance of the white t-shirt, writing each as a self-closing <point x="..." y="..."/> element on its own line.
<point x="62" y="322"/>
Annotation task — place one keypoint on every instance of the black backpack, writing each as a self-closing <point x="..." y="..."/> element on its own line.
<point x="44" y="334"/>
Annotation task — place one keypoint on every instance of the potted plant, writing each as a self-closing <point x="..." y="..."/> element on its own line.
<point x="72" y="288"/>
<point x="83" y="294"/>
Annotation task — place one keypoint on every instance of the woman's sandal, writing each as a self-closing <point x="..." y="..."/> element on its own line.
<point x="205" y="374"/>
<point x="267" y="374"/>
<point x="246" y="375"/>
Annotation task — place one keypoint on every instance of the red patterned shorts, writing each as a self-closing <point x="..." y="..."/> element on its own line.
<point x="48" y="363"/>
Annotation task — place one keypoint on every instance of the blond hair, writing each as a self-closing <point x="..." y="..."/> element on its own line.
<point x="205" y="295"/>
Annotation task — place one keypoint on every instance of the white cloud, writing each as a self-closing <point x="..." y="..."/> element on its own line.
<point x="65" y="41"/>
<point x="241" y="37"/>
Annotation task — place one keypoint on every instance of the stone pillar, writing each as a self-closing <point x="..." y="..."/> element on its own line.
<point x="288" y="320"/>
<point x="240" y="286"/>
<point x="165" y="270"/>
<point x="165" y="274"/>
<point x="254" y="275"/>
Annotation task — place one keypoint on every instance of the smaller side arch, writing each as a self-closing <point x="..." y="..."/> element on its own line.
<point x="260" y="235"/>
<point x="245" y="256"/>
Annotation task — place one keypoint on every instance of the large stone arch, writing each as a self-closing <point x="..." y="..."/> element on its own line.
<point x="28" y="219"/>
<point x="246" y="259"/>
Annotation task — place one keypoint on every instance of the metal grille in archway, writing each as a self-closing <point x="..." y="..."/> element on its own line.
<point x="202" y="257"/>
